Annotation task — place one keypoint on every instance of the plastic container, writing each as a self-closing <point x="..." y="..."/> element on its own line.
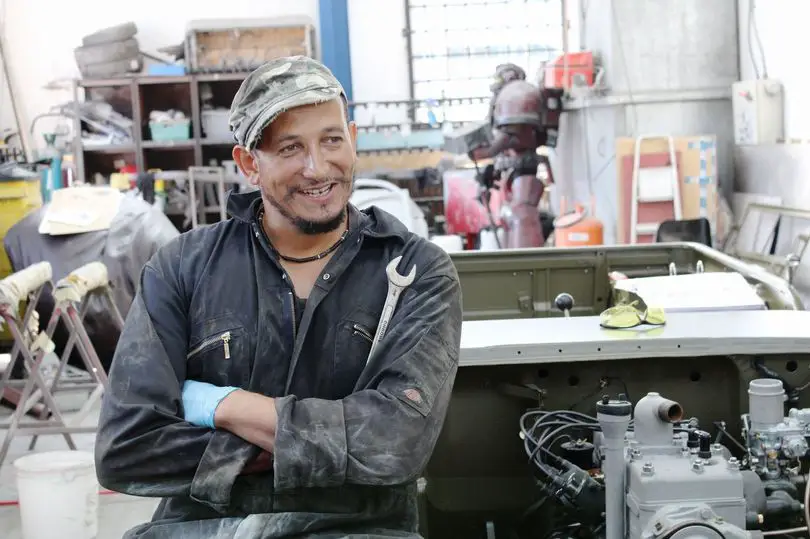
<point x="215" y="125"/>
<point x="766" y="403"/>
<point x="166" y="131"/>
<point x="561" y="72"/>
<point x="58" y="493"/>
<point x="577" y="229"/>
<point x="450" y="243"/>
<point x="18" y="197"/>
<point x="492" y="240"/>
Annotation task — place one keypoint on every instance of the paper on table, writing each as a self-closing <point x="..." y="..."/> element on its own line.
<point x="712" y="291"/>
<point x="74" y="210"/>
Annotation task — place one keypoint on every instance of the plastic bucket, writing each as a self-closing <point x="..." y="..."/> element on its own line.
<point x="58" y="493"/>
<point x="451" y="243"/>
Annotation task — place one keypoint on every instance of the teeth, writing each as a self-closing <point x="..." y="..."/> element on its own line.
<point x="318" y="192"/>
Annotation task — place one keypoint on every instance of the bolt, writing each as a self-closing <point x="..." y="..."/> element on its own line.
<point x="635" y="453"/>
<point x="733" y="464"/>
<point x="705" y="513"/>
<point x="659" y="526"/>
<point x="647" y="468"/>
<point x="697" y="466"/>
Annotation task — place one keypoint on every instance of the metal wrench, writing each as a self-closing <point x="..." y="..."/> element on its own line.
<point x="396" y="284"/>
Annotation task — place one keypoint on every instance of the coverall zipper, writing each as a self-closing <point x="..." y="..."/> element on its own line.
<point x="224" y="337"/>
<point x="294" y="314"/>
<point x="265" y="243"/>
<point x="363" y="332"/>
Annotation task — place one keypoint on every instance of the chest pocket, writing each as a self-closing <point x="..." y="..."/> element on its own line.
<point x="220" y="354"/>
<point x="353" y="339"/>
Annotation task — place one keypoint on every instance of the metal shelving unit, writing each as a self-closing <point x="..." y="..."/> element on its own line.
<point x="127" y="95"/>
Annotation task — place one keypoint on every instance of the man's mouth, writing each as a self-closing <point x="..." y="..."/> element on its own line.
<point x="318" y="192"/>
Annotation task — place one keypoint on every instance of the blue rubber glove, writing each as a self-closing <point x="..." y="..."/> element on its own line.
<point x="200" y="401"/>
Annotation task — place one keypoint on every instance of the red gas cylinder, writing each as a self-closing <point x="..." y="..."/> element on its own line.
<point x="578" y="229"/>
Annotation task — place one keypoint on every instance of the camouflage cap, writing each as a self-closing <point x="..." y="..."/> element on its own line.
<point x="279" y="85"/>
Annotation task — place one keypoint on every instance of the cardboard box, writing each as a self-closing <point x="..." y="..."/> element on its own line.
<point x="697" y="173"/>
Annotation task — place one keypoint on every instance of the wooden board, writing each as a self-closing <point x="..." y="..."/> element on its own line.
<point x="249" y="47"/>
<point x="399" y="160"/>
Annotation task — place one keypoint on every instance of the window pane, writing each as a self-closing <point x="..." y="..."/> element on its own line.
<point x="457" y="45"/>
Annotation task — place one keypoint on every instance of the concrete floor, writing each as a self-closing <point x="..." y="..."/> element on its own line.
<point x="117" y="512"/>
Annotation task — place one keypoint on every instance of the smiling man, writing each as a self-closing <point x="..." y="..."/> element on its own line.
<point x="242" y="391"/>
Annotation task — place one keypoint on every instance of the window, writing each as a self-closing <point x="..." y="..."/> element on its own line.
<point x="456" y="45"/>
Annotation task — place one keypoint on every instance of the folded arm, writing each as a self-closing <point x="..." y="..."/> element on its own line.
<point x="143" y="446"/>
<point x="384" y="433"/>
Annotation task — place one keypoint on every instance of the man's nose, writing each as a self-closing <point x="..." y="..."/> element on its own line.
<point x="315" y="165"/>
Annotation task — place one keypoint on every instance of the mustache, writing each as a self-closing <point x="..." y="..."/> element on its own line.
<point x="315" y="184"/>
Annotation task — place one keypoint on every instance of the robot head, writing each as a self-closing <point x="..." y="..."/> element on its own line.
<point x="505" y="73"/>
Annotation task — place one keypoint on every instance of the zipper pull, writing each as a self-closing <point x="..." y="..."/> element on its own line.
<point x="226" y="339"/>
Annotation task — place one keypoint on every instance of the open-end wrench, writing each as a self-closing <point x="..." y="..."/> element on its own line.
<point x="396" y="284"/>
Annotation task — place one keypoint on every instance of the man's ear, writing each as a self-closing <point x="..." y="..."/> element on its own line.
<point x="247" y="164"/>
<point x="353" y="135"/>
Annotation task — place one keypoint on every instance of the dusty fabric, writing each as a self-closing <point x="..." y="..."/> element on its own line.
<point x="135" y="234"/>
<point x="352" y="438"/>
<point x="279" y="85"/>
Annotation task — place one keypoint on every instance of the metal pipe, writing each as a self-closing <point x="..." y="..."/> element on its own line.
<point x="26" y="145"/>
<point x="670" y="411"/>
<point x="654" y="416"/>
<point x="564" y="10"/>
<point x="409" y="51"/>
<point x="614" y="419"/>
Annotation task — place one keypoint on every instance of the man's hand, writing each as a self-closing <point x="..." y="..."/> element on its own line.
<point x="250" y="416"/>
<point x="200" y="402"/>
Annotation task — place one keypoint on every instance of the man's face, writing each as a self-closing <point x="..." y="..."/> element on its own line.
<point x="304" y="165"/>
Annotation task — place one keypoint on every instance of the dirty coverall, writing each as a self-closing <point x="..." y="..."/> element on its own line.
<point x="352" y="438"/>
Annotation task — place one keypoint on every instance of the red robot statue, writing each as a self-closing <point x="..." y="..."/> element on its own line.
<point x="518" y="133"/>
<point x="522" y="118"/>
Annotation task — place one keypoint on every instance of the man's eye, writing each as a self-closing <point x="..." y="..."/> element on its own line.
<point x="334" y="140"/>
<point x="288" y="149"/>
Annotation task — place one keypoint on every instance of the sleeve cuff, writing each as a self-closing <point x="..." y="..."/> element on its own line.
<point x="310" y="449"/>
<point x="224" y="458"/>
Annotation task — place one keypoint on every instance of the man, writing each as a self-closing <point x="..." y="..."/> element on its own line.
<point x="242" y="391"/>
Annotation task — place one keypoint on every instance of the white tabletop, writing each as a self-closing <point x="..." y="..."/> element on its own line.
<point x="696" y="334"/>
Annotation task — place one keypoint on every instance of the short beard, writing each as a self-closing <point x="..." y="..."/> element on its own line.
<point x="312" y="228"/>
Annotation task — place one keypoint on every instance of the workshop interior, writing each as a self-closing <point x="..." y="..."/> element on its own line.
<point x="621" y="185"/>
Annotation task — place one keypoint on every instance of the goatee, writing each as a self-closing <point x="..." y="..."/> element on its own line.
<point x="313" y="227"/>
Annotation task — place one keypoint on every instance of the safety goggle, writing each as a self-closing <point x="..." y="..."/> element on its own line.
<point x="631" y="315"/>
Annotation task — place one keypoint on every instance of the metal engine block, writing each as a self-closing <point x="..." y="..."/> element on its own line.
<point x="651" y="474"/>
<point x="775" y="442"/>
<point x="677" y="484"/>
